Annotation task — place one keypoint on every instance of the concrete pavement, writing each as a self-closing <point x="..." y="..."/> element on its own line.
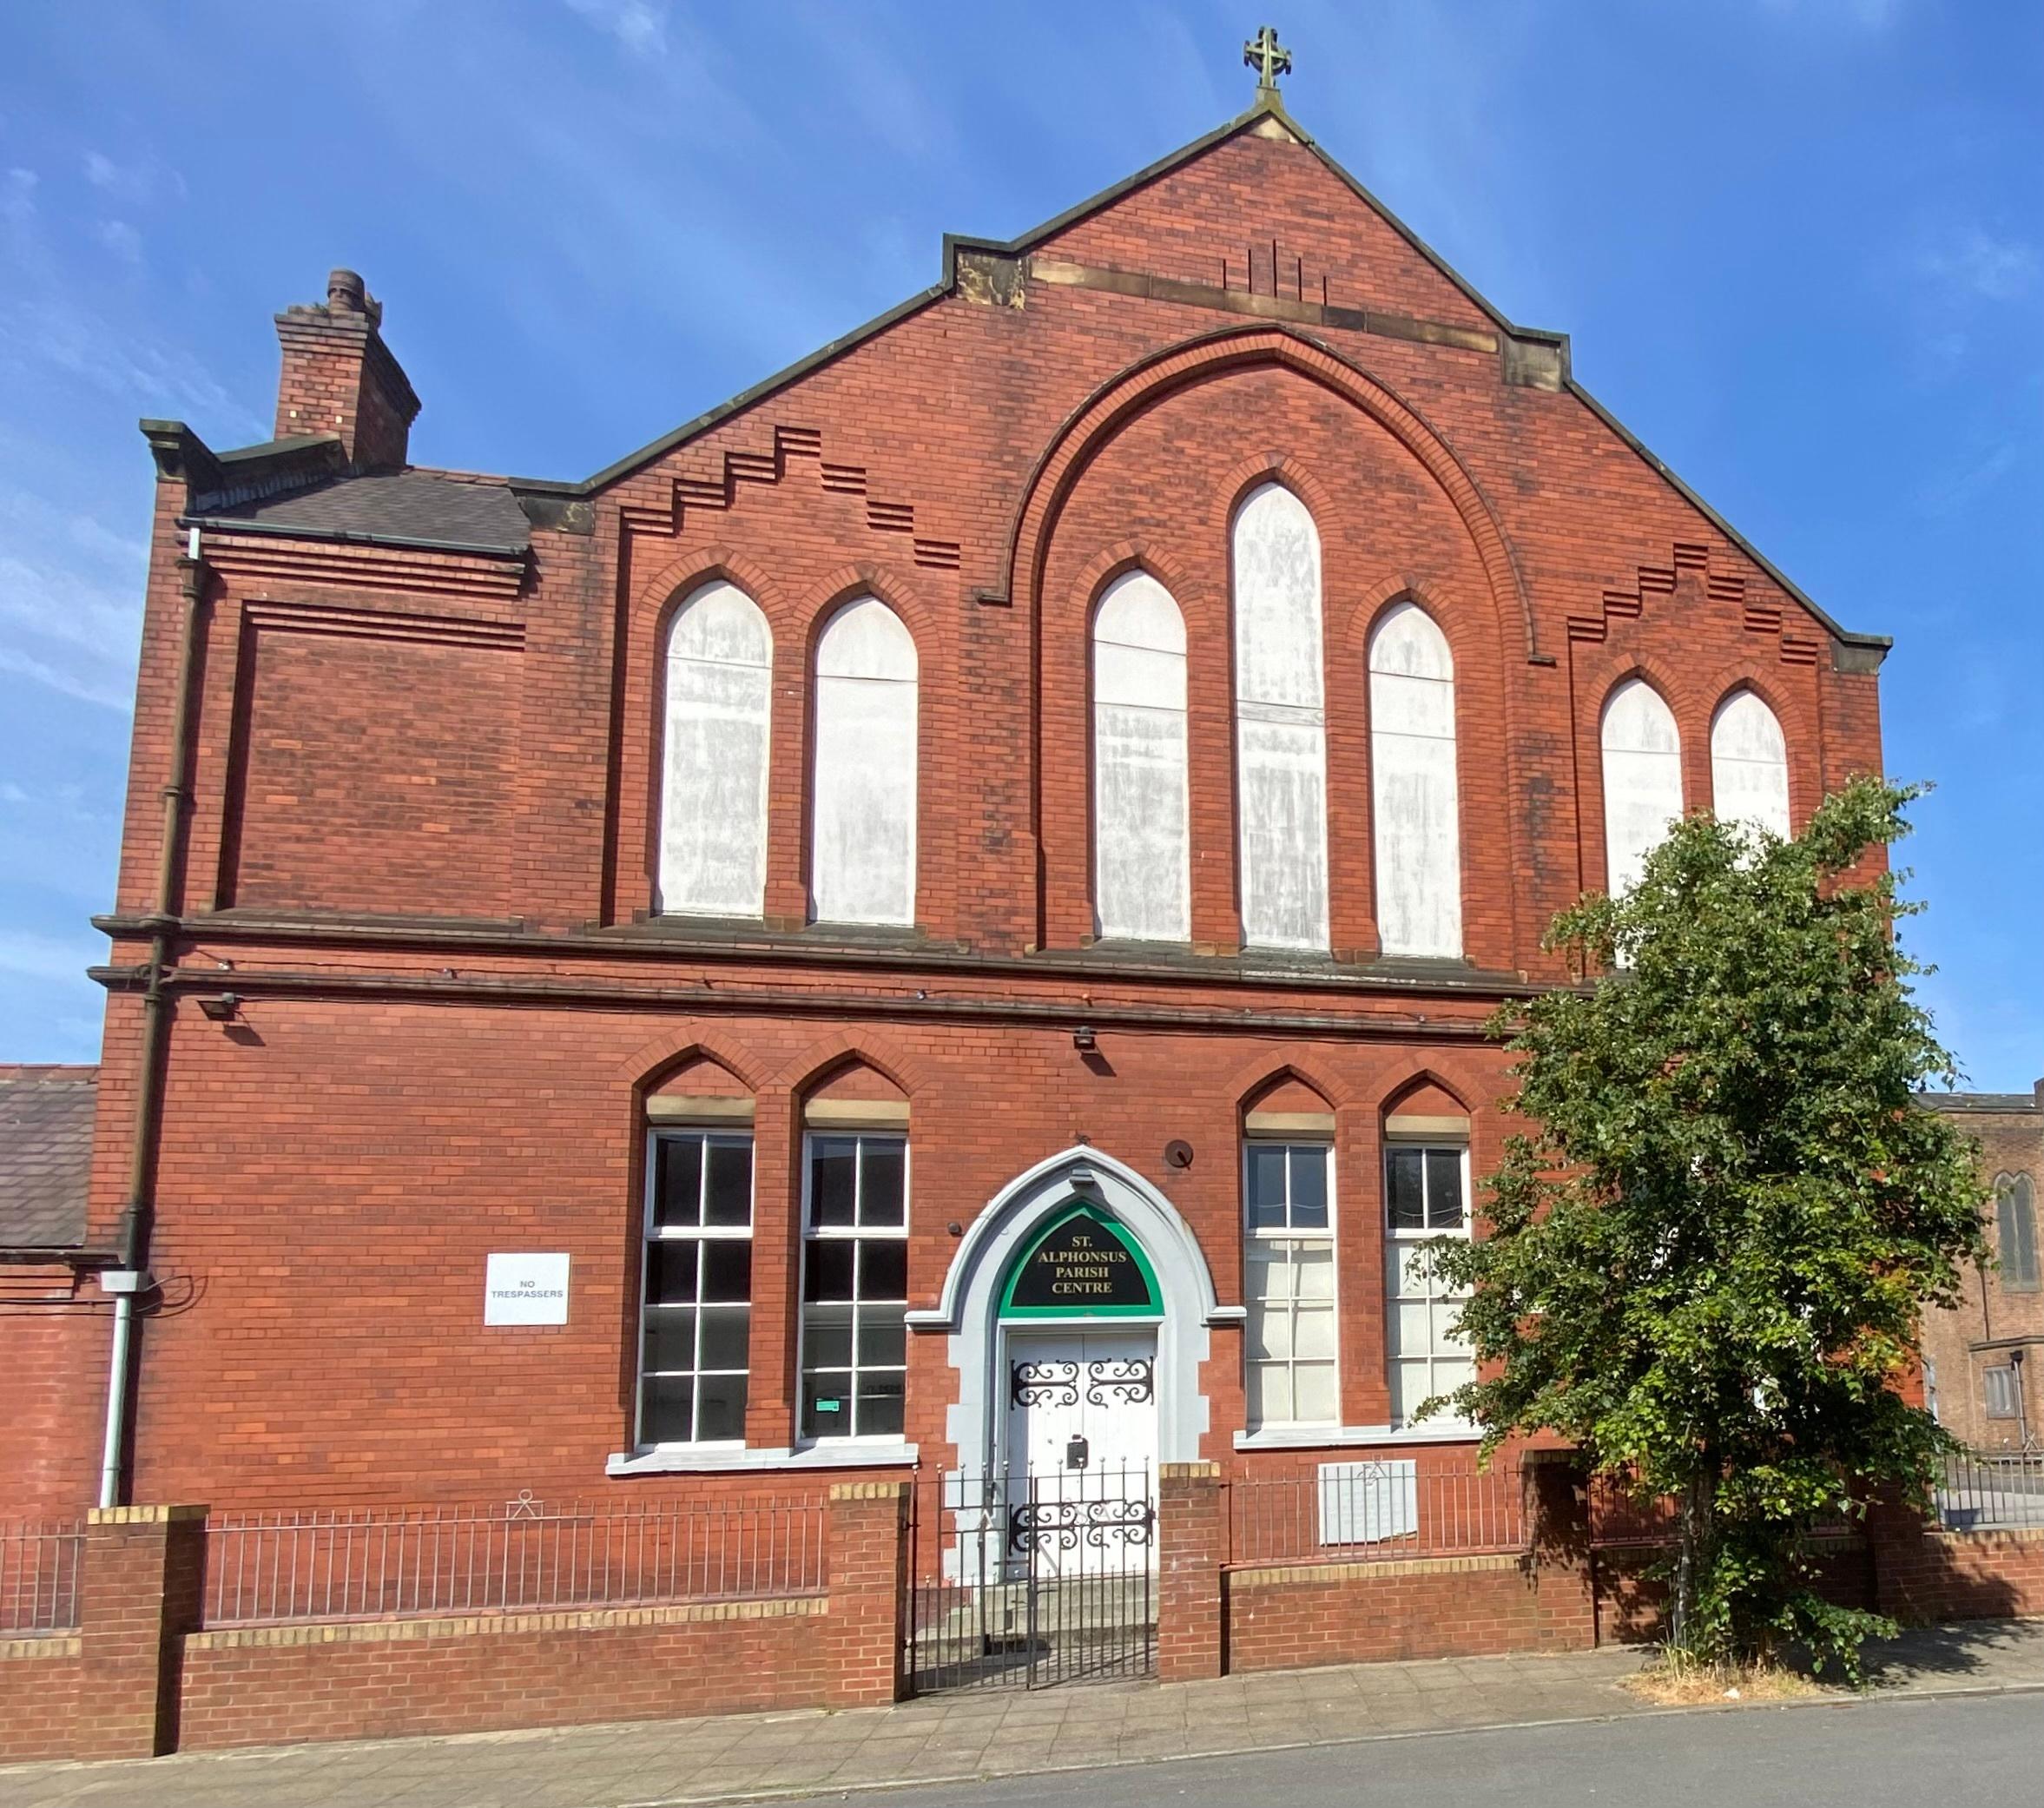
<point x="956" y="1739"/>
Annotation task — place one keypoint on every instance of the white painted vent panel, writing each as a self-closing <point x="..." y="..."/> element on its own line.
<point x="862" y="833"/>
<point x="1142" y="836"/>
<point x="1414" y="806"/>
<point x="1749" y="765"/>
<point x="1642" y="780"/>
<point x="1281" y="722"/>
<point x="1368" y="1503"/>
<point x="712" y="800"/>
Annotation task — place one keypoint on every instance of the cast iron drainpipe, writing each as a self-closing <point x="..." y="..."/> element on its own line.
<point x="138" y="1214"/>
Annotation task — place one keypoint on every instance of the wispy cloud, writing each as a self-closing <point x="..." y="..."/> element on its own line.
<point x="1973" y="264"/>
<point x="639" y="25"/>
<point x="1957" y="491"/>
<point x="120" y="238"/>
<point x="139" y="184"/>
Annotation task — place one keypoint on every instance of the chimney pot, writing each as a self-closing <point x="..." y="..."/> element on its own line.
<point x="346" y="291"/>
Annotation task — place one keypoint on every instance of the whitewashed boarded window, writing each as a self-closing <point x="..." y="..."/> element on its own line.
<point x="1142" y="839"/>
<point x="862" y="839"/>
<point x="1413" y="805"/>
<point x="1279" y="722"/>
<point x="713" y="797"/>
<point x="1642" y="781"/>
<point x="1748" y="765"/>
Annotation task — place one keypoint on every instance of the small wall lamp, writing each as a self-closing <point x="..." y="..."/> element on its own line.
<point x="1084" y="1040"/>
<point x="222" y="1009"/>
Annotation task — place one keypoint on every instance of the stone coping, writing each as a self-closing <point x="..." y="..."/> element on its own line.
<point x="1283" y="1575"/>
<point x="471" y="1626"/>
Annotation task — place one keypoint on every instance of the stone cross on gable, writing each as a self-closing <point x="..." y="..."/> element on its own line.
<point x="1267" y="58"/>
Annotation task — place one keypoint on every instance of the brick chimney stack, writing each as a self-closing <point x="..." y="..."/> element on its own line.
<point x="339" y="377"/>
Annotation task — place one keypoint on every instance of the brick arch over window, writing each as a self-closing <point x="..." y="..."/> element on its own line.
<point x="649" y="1065"/>
<point x="1144" y="382"/>
<point x="1057" y="534"/>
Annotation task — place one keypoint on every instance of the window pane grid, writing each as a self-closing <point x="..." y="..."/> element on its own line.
<point x="856" y="1287"/>
<point x="1425" y="1197"/>
<point x="695" y="1315"/>
<point x="1289" y="1285"/>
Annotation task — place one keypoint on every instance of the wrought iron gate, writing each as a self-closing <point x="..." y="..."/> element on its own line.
<point x="1027" y="1581"/>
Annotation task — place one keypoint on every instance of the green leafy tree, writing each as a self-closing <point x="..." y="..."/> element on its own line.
<point x="1707" y="1259"/>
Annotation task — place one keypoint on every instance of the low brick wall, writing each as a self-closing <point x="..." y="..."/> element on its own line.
<point x="39" y="1683"/>
<point x="380" y="1679"/>
<point x="1305" y="1615"/>
<point x="1963" y="1575"/>
<point x="1631" y="1602"/>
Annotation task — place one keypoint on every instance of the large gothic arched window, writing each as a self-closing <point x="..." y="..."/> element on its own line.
<point x="713" y="797"/>
<point x="1642" y="780"/>
<point x="863" y="783"/>
<point x="1748" y="765"/>
<point x="1141" y="846"/>
<point x="1279" y="722"/>
<point x="1413" y="805"/>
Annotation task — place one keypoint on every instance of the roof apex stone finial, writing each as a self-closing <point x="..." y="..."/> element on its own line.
<point x="1270" y="59"/>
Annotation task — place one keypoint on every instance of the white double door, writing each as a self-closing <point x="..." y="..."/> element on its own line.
<point x="1081" y="1447"/>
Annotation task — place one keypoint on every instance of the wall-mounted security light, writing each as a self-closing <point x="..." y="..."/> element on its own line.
<point x="1084" y="1040"/>
<point x="223" y="1008"/>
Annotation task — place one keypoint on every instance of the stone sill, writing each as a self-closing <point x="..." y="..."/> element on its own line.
<point x="1342" y="1437"/>
<point x="734" y="1460"/>
<point x="41" y="1645"/>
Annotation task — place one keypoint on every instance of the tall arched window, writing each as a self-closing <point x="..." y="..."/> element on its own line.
<point x="1748" y="765"/>
<point x="713" y="795"/>
<point x="1279" y="722"/>
<point x="2015" y="1231"/>
<point x="862" y="834"/>
<point x="1642" y="781"/>
<point x="1412" y="806"/>
<point x="1142" y="844"/>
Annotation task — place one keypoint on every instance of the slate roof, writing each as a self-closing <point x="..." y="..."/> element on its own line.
<point x="45" y="1155"/>
<point x="404" y="508"/>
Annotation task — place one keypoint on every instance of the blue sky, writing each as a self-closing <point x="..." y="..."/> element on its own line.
<point x="1798" y="244"/>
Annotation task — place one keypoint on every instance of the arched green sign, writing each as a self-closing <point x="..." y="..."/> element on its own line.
<point x="1083" y="1265"/>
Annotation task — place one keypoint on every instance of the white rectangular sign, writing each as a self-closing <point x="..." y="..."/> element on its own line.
<point x="525" y="1289"/>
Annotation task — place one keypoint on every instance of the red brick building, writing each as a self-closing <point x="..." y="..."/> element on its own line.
<point x="941" y="915"/>
<point x="1983" y="1360"/>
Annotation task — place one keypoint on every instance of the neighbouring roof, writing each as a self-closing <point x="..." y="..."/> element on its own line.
<point x="46" y="1116"/>
<point x="2032" y="1101"/>
<point x="396" y="508"/>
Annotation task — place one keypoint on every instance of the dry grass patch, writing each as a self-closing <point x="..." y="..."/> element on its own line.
<point x="1668" y="1682"/>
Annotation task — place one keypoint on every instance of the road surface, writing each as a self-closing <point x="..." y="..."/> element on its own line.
<point x="1969" y="1751"/>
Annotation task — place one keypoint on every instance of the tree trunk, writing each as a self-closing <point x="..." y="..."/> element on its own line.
<point x="1693" y="1526"/>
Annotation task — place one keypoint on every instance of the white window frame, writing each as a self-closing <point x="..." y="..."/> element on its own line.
<point x="1286" y="1237"/>
<point x="652" y="1232"/>
<point x="854" y="1232"/>
<point x="1396" y="1242"/>
<point x="2011" y="1407"/>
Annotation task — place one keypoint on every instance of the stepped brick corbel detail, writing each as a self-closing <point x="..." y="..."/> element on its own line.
<point x="720" y="492"/>
<point x="1689" y="573"/>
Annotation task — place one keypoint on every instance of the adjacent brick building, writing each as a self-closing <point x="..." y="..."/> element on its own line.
<point x="1983" y="1360"/>
<point x="1035" y="803"/>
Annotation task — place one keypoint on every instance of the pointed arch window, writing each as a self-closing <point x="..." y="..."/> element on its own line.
<point x="862" y="830"/>
<point x="1279" y="722"/>
<point x="1642" y="780"/>
<point x="2015" y="1232"/>
<point x="1413" y="809"/>
<point x="1142" y="836"/>
<point x="712" y="798"/>
<point x="1748" y="765"/>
